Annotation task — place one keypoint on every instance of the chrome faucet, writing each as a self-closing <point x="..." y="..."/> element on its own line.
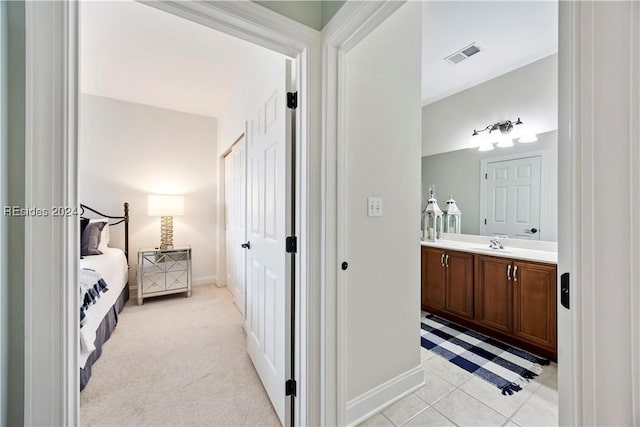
<point x="495" y="242"/>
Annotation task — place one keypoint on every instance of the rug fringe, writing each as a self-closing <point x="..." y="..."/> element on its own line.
<point x="536" y="369"/>
<point x="510" y="388"/>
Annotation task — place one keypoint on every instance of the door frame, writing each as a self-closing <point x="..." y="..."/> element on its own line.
<point x="51" y="123"/>
<point x="51" y="378"/>
<point x="544" y="182"/>
<point x="352" y="23"/>
<point x="577" y="117"/>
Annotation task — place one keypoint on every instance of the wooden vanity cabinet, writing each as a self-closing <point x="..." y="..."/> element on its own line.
<point x="534" y="303"/>
<point x="493" y="293"/>
<point x="517" y="298"/>
<point x="433" y="279"/>
<point x="447" y="282"/>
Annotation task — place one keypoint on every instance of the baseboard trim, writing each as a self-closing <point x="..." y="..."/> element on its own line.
<point x="384" y="395"/>
<point x="204" y="280"/>
<point x="197" y="281"/>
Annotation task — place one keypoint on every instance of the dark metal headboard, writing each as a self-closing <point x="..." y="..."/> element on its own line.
<point x="120" y="219"/>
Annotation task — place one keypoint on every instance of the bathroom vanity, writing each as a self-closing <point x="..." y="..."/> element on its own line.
<point x="509" y="293"/>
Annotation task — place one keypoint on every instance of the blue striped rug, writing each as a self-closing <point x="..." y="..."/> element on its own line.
<point x="506" y="367"/>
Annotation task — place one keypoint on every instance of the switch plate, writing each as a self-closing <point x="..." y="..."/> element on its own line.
<point x="374" y="206"/>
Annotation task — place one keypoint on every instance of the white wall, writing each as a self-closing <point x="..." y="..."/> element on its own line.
<point x="457" y="173"/>
<point x="383" y="125"/>
<point x="128" y="151"/>
<point x="530" y="92"/>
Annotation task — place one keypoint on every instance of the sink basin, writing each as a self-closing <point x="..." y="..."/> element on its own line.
<point x="487" y="249"/>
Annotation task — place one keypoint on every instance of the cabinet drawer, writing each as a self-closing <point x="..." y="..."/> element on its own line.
<point x="177" y="280"/>
<point x="176" y="261"/>
<point x="153" y="282"/>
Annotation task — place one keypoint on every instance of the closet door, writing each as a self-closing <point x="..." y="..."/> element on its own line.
<point x="228" y="221"/>
<point x="239" y="189"/>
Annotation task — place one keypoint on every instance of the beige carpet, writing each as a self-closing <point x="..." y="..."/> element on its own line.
<point x="177" y="361"/>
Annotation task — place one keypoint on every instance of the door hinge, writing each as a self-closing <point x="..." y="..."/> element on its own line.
<point x="290" y="388"/>
<point x="292" y="100"/>
<point x="291" y="244"/>
<point x="485" y="221"/>
<point x="486" y="176"/>
<point x="564" y="290"/>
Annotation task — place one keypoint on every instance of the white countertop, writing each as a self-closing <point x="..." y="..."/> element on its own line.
<point x="515" y="249"/>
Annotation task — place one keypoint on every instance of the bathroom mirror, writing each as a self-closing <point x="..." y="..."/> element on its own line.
<point x="461" y="174"/>
<point x="475" y="75"/>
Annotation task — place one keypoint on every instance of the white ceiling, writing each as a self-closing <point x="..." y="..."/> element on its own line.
<point x="511" y="33"/>
<point x="136" y="53"/>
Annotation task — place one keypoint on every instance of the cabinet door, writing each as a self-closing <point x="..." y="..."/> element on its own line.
<point x="459" y="288"/>
<point x="535" y="303"/>
<point x="433" y="278"/>
<point x="494" y="293"/>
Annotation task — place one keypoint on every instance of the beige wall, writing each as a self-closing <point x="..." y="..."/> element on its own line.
<point x="128" y="151"/>
<point x="530" y="92"/>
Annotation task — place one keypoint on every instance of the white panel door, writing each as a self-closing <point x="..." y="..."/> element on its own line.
<point x="512" y="198"/>
<point x="268" y="310"/>
<point x="235" y="219"/>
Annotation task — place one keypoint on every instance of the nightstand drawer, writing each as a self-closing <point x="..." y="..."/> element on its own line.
<point x="177" y="280"/>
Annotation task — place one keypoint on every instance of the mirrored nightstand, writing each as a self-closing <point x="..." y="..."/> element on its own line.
<point x="164" y="271"/>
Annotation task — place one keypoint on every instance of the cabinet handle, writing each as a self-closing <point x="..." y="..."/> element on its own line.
<point x="515" y="273"/>
<point x="442" y="260"/>
<point x="446" y="261"/>
<point x="509" y="272"/>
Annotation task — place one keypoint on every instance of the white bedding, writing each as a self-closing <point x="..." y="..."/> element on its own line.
<point x="112" y="265"/>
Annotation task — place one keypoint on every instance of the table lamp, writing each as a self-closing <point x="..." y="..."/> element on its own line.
<point x="166" y="207"/>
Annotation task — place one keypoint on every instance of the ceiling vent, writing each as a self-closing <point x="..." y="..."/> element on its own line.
<point x="462" y="54"/>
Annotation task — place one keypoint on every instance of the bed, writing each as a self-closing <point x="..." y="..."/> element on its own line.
<point x="104" y="288"/>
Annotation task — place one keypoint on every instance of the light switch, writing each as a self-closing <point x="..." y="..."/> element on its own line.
<point x="374" y="206"/>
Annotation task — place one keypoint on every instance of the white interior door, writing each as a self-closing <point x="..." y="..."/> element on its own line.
<point x="228" y="220"/>
<point x="512" y="198"/>
<point x="235" y="219"/>
<point x="268" y="314"/>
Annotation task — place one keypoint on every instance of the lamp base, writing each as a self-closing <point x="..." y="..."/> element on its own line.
<point x="166" y="232"/>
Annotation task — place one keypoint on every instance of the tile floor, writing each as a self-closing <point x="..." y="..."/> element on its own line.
<point x="453" y="397"/>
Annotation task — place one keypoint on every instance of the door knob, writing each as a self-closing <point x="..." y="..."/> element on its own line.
<point x="246" y="245"/>
<point x="531" y="230"/>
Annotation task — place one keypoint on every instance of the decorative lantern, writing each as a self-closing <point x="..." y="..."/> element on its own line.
<point x="452" y="217"/>
<point x="432" y="220"/>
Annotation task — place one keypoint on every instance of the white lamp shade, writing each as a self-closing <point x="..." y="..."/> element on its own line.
<point x="494" y="136"/>
<point x="486" y="146"/>
<point x="165" y="205"/>
<point x="505" y="141"/>
<point x="531" y="137"/>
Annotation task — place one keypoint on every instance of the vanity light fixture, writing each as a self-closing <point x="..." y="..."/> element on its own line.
<point x="502" y="133"/>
